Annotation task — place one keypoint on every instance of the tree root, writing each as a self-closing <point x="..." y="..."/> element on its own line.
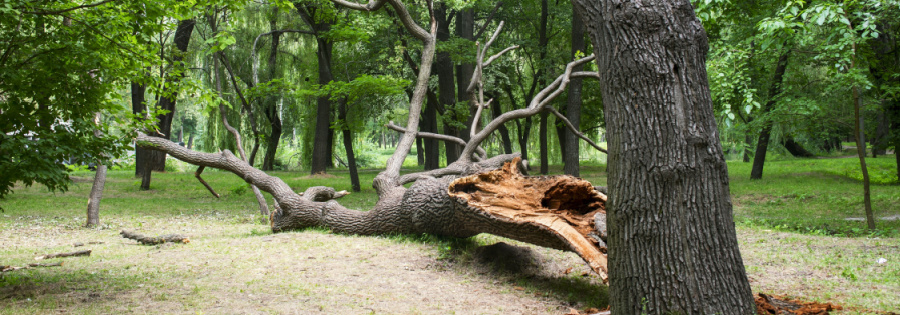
<point x="147" y="240"/>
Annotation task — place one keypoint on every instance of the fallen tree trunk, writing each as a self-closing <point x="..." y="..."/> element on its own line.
<point x="151" y="240"/>
<point x="86" y="252"/>
<point x="32" y="265"/>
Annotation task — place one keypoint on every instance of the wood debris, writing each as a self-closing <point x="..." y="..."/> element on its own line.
<point x="86" y="252"/>
<point x="149" y="240"/>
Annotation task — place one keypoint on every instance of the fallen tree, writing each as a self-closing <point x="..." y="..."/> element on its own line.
<point x="472" y="195"/>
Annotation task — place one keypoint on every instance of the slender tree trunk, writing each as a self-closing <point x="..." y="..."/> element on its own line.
<point x="543" y="39"/>
<point x="420" y="153"/>
<point x="504" y="132"/>
<point x="429" y="124"/>
<point x="861" y="150"/>
<point x="762" y="145"/>
<point x="321" y="143"/>
<point x="542" y="134"/>
<point x="93" y="208"/>
<point x="138" y="106"/>
<point x="190" y="143"/>
<point x="672" y="243"/>
<point x="573" y="102"/>
<point x="271" y="107"/>
<point x="348" y="146"/>
<point x="748" y="141"/>
<point x="796" y="149"/>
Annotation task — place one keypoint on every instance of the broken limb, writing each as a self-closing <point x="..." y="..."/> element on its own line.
<point x="197" y="175"/>
<point x="149" y="240"/>
<point x="32" y="265"/>
<point x="60" y="255"/>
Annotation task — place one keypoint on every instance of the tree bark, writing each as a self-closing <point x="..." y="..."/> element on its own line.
<point x="543" y="39"/>
<point x="93" y="208"/>
<point x="672" y="241"/>
<point x="443" y="68"/>
<point x="321" y="155"/>
<point x="138" y="108"/>
<point x="762" y="145"/>
<point x="465" y="28"/>
<point x="573" y="102"/>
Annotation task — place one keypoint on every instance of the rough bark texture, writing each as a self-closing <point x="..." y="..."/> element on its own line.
<point x="672" y="242"/>
<point x="321" y="155"/>
<point x="573" y="103"/>
<point x="762" y="145"/>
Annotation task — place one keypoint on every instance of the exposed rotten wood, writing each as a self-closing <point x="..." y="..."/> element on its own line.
<point x="564" y="205"/>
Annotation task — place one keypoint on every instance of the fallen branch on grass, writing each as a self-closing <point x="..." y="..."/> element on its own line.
<point x="148" y="240"/>
<point x="86" y="252"/>
<point x="33" y="265"/>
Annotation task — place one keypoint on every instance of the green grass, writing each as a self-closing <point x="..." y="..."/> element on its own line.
<point x="814" y="196"/>
<point x="792" y="218"/>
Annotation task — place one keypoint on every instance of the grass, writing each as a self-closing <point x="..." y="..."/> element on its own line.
<point x="791" y="228"/>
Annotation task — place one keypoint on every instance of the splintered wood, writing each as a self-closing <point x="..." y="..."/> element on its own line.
<point x="563" y="205"/>
<point x="151" y="240"/>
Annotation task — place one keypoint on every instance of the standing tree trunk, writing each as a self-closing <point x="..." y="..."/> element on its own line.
<point x="271" y="107"/>
<point x="93" y="208"/>
<point x="542" y="135"/>
<point x="321" y="143"/>
<point x="465" y="28"/>
<point x="348" y="146"/>
<point x="573" y="103"/>
<point x="156" y="160"/>
<point x="762" y="145"/>
<point x="443" y="68"/>
<point x="504" y="133"/>
<point x="138" y="106"/>
<point x="429" y="124"/>
<point x="672" y="242"/>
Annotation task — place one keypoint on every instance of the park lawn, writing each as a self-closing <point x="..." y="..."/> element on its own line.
<point x="790" y="225"/>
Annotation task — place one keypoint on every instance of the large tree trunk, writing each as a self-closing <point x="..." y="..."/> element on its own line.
<point x="573" y="103"/>
<point x="443" y="68"/>
<point x="465" y="28"/>
<point x="321" y="155"/>
<point x="155" y="160"/>
<point x="762" y="145"/>
<point x="672" y="241"/>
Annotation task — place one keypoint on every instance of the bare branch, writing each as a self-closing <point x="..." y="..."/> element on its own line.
<point x="585" y="74"/>
<point x="497" y="55"/>
<point x="437" y="136"/>
<point x="205" y="184"/>
<point x="489" y="19"/>
<point x="537" y="105"/>
<point x="575" y="130"/>
<point x="402" y="13"/>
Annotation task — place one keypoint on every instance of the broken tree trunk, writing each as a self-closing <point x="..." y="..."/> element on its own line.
<point x="151" y="240"/>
